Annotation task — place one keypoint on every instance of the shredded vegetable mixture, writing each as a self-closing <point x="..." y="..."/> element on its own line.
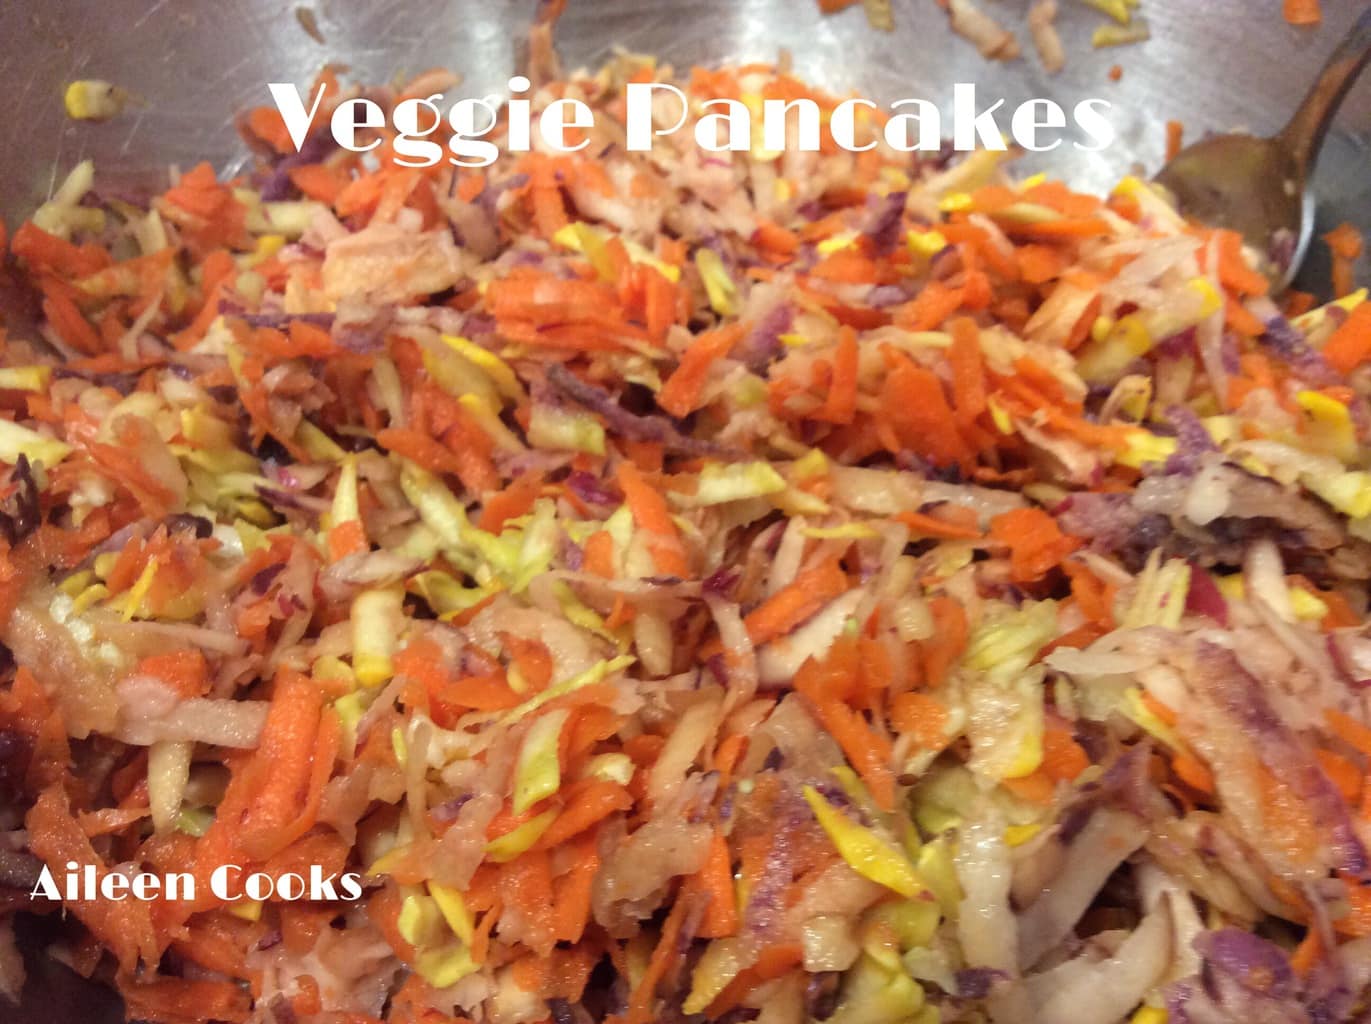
<point x="683" y="587"/>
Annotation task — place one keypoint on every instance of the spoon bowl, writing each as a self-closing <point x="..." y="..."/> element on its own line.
<point x="1252" y="185"/>
<point x="1259" y="186"/>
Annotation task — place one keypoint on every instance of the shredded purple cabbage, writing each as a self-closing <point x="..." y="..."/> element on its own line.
<point x="1193" y="441"/>
<point x="1176" y="345"/>
<point x="278" y="185"/>
<point x="883" y="296"/>
<point x="592" y="490"/>
<point x="1292" y="347"/>
<point x="1224" y="681"/>
<point x="639" y="428"/>
<point x="1247" y="979"/>
<point x="884" y="226"/>
<point x="280" y="321"/>
<point x="763" y="342"/>
<point x="721" y="581"/>
<point x="1204" y="597"/>
<point x="363" y="330"/>
<point x="976" y="982"/>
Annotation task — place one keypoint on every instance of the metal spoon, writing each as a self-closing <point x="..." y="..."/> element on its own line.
<point x="1258" y="186"/>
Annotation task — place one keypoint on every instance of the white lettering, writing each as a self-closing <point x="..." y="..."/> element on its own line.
<point x="639" y="128"/>
<point x="654" y="110"/>
<point x="292" y="109"/>
<point x="1089" y="115"/>
<point x="351" y="885"/>
<point x="557" y="117"/>
<point x="350" y="115"/>
<point x="843" y="125"/>
<point x="469" y="147"/>
<point x="46" y="886"/>
<point x="970" y="127"/>
<point x="179" y="885"/>
<point x="775" y="115"/>
<point x="517" y="112"/>
<point x="926" y="120"/>
<point x="734" y="122"/>
<point x="1025" y="123"/>
<point x="412" y="145"/>
<point x="219" y="882"/>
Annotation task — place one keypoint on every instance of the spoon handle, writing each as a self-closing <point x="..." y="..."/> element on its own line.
<point x="1304" y="135"/>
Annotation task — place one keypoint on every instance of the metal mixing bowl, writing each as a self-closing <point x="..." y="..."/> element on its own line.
<point x="1215" y="65"/>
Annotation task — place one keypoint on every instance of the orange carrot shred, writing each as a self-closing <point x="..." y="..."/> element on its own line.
<point x="650" y="512"/>
<point x="1303" y="12"/>
<point x="787" y="608"/>
<point x="680" y="395"/>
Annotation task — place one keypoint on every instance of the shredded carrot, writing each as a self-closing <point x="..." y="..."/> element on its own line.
<point x="640" y="1001"/>
<point x="1238" y="318"/>
<point x="1193" y="772"/>
<point x="284" y="766"/>
<point x="968" y="371"/>
<point x="777" y="240"/>
<point x="1035" y="788"/>
<point x="1233" y="269"/>
<point x="1066" y="227"/>
<point x="941" y="650"/>
<point x="930" y="307"/>
<point x="918" y="413"/>
<point x="1162" y="711"/>
<point x="269" y="126"/>
<point x="43" y="251"/>
<point x="1350" y="345"/>
<point x="185" y="671"/>
<point x="715" y="880"/>
<point x="1063" y="758"/>
<point x="1346" y="245"/>
<point x="319" y="181"/>
<point x="841" y="404"/>
<point x="1349" y="730"/>
<point x="1287" y="820"/>
<point x="1303" y="12"/>
<point x="572" y="907"/>
<point x="1035" y="541"/>
<point x="215" y="273"/>
<point x="598" y="555"/>
<point x="1307" y="954"/>
<point x="1345" y="241"/>
<point x="1094" y="597"/>
<point x="772" y="962"/>
<point x="1340" y="613"/>
<point x="680" y="395"/>
<point x="926" y="525"/>
<point x="1344" y="775"/>
<point x="919" y="715"/>
<point x="511" y="503"/>
<point x="171" y="1000"/>
<point x="650" y="513"/>
<point x="827" y="684"/>
<point x="1175" y="136"/>
<point x="592" y="803"/>
<point x="55" y="837"/>
<point x="787" y="608"/>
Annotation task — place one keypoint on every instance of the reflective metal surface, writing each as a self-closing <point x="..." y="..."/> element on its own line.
<point x="1257" y="184"/>
<point x="1216" y="65"/>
